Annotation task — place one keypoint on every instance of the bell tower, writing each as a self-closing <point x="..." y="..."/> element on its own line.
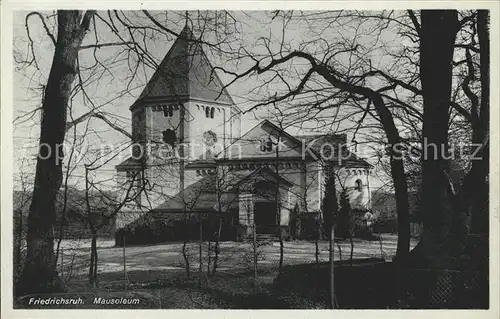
<point x="183" y="111"/>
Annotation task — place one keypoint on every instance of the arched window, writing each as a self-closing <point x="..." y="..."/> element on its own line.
<point x="212" y="112"/>
<point x="168" y="111"/>
<point x="262" y="145"/>
<point x="207" y="112"/>
<point x="266" y="145"/>
<point x="269" y="145"/>
<point x="359" y="185"/>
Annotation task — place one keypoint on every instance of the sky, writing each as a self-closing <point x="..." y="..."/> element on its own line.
<point x="254" y="29"/>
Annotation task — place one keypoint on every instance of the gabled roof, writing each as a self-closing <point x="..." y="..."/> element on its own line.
<point x="202" y="196"/>
<point x="300" y="146"/>
<point x="199" y="196"/>
<point x="247" y="147"/>
<point x="185" y="72"/>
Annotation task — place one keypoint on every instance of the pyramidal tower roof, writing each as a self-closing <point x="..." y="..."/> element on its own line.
<point x="185" y="72"/>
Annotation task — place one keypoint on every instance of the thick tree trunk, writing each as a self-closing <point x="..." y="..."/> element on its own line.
<point x="397" y="168"/>
<point x="333" y="211"/>
<point x="437" y="40"/>
<point x="403" y="208"/>
<point x="480" y="168"/>
<point x="399" y="179"/>
<point x="472" y="201"/>
<point x="39" y="273"/>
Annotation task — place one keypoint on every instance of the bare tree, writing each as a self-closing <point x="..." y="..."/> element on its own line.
<point x="336" y="73"/>
<point x="443" y="206"/>
<point x="101" y="208"/>
<point x="39" y="273"/>
<point x="131" y="33"/>
<point x="326" y="73"/>
<point x="330" y="213"/>
<point x="277" y="197"/>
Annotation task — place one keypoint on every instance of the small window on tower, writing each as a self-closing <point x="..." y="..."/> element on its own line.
<point x="359" y="185"/>
<point x="212" y="112"/>
<point x="168" y="111"/>
<point x="207" y="112"/>
<point x="169" y="137"/>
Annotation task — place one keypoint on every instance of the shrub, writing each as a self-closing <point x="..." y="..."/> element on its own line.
<point x="156" y="229"/>
<point x="385" y="225"/>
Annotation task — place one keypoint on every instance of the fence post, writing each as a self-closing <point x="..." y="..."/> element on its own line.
<point x="332" y="267"/>
<point x="62" y="263"/>
<point x="124" y="264"/>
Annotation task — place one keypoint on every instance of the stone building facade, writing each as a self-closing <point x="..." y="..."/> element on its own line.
<point x="190" y="157"/>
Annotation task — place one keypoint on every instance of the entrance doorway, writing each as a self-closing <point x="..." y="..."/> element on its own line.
<point x="265" y="217"/>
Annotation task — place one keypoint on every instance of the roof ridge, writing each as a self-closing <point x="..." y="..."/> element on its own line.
<point x="157" y="72"/>
<point x="264" y="121"/>
<point x="185" y="70"/>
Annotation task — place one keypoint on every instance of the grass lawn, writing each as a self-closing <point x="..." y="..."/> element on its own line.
<point x="156" y="274"/>
<point x="233" y="256"/>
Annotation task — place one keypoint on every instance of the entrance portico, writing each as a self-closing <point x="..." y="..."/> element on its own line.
<point x="263" y="202"/>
